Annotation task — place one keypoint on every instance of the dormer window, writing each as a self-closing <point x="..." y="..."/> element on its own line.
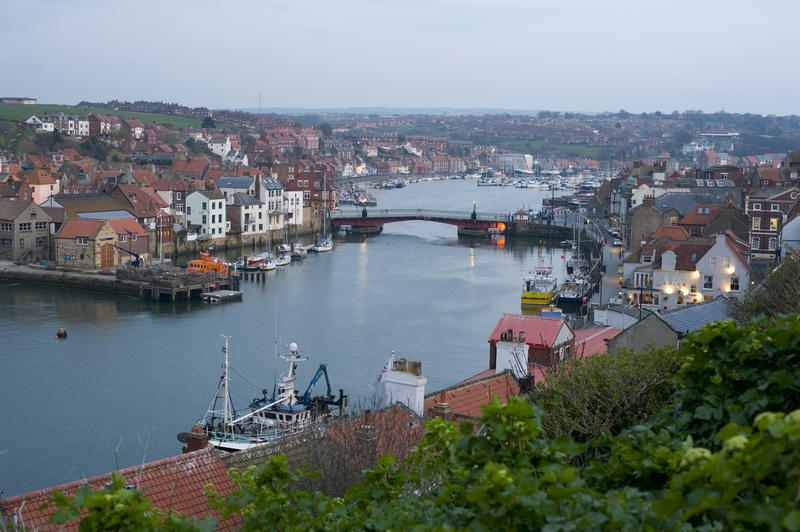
<point x="132" y="197"/>
<point x="756" y="206"/>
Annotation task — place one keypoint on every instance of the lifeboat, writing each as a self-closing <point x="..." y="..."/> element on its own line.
<point x="208" y="264"/>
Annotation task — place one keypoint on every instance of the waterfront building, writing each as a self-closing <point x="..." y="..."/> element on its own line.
<point x="230" y="185"/>
<point x="205" y="213"/>
<point x="247" y="214"/>
<point x="24" y="231"/>
<point x="93" y="243"/>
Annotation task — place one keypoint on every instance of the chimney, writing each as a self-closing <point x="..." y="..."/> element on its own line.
<point x="404" y="383"/>
<point x="195" y="440"/>
<point x="442" y="407"/>
<point x="367" y="441"/>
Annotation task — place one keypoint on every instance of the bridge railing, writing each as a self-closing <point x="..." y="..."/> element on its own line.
<point x="420" y="214"/>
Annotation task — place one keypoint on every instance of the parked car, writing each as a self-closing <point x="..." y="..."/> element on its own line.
<point x="617" y="243"/>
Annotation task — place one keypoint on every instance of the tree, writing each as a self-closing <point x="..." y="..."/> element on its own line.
<point x="326" y="129"/>
<point x="209" y="123"/>
<point x="779" y="293"/>
<point x="585" y="398"/>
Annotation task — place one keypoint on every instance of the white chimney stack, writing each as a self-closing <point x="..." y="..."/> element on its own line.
<point x="403" y="383"/>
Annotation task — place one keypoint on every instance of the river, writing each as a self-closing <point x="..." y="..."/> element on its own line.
<point x="133" y="373"/>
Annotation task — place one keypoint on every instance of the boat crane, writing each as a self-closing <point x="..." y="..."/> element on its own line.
<point x="136" y="262"/>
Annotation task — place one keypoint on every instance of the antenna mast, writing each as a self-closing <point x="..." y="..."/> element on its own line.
<point x="225" y="405"/>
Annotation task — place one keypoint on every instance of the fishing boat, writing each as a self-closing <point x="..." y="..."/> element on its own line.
<point x="574" y="292"/>
<point x="267" y="418"/>
<point x="539" y="287"/>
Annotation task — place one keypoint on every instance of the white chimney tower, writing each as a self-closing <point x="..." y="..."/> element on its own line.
<point x="403" y="383"/>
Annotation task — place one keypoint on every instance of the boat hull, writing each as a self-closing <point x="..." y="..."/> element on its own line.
<point x="537" y="299"/>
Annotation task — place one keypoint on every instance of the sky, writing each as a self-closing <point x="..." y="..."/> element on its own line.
<point x="566" y="55"/>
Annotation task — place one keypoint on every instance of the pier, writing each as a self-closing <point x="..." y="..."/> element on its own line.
<point x="157" y="284"/>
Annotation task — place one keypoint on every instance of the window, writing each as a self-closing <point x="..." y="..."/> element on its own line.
<point x="204" y="206"/>
<point x="773" y="243"/>
<point x="82" y="240"/>
<point x="693" y="289"/>
<point x="673" y="220"/>
<point x="5" y="242"/>
<point x="699" y="210"/>
<point x="734" y="284"/>
<point x="756" y="223"/>
<point x="726" y="262"/>
<point x="134" y="237"/>
<point x="260" y="226"/>
<point x="306" y="194"/>
<point x="756" y="206"/>
<point x="25" y="226"/>
<point x="123" y="238"/>
<point x="712" y="262"/>
<point x="5" y="226"/>
<point x="774" y="207"/>
<point x="773" y="224"/>
<point x="756" y="243"/>
<point x="188" y="210"/>
<point x="708" y="282"/>
<point x="41" y="240"/>
<point x="177" y="195"/>
<point x="40" y="225"/>
<point x="204" y="219"/>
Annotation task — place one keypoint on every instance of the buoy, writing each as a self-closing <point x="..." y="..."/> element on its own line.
<point x="337" y="245"/>
<point x="61" y="333"/>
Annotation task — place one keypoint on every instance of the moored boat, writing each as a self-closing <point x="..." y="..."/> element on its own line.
<point x="574" y="292"/>
<point x="285" y="412"/>
<point x="539" y="287"/>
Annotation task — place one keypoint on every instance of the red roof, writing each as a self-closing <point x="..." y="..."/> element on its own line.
<point x="174" y="483"/>
<point x="538" y="331"/>
<point x="467" y="398"/>
<point x="87" y="227"/>
<point x="694" y="218"/>
<point x="39" y="177"/>
<point x="590" y="342"/>
<point x="672" y="231"/>
<point x="125" y="226"/>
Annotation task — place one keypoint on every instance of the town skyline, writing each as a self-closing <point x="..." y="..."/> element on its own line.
<point x="509" y="55"/>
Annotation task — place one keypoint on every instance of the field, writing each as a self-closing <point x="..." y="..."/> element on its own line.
<point x="20" y="112"/>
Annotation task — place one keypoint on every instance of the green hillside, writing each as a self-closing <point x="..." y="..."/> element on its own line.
<point x="23" y="112"/>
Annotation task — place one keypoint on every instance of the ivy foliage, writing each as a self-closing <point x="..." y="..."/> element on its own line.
<point x="720" y="456"/>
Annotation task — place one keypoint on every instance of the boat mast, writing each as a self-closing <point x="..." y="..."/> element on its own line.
<point x="225" y="406"/>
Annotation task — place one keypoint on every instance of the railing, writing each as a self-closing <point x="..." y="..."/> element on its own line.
<point x="420" y="214"/>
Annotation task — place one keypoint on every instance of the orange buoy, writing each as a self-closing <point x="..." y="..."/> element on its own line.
<point x="61" y="333"/>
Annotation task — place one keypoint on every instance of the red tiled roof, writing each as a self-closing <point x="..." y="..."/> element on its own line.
<point x="87" y="227"/>
<point x="39" y="177"/>
<point x="125" y="226"/>
<point x="773" y="175"/>
<point x="590" y="342"/>
<point x="144" y="176"/>
<point x="174" y="483"/>
<point x="693" y="218"/>
<point x="672" y="231"/>
<point x="468" y="397"/>
<point x="538" y="331"/>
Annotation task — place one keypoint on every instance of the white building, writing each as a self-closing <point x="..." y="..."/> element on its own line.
<point x="271" y="193"/>
<point x="40" y="125"/>
<point x="293" y="206"/>
<point x="205" y="211"/>
<point x="220" y="146"/>
<point x="667" y="276"/>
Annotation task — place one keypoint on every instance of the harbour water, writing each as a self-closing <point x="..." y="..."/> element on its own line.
<point x="133" y="373"/>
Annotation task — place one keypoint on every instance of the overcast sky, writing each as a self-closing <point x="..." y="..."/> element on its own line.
<point x="569" y="55"/>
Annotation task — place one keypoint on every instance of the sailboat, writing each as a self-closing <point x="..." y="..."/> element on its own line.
<point x="325" y="242"/>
